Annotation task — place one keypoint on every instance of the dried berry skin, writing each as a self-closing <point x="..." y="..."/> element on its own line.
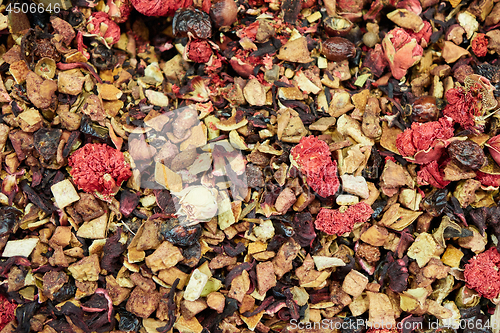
<point x="338" y="49"/>
<point x="424" y="109"/>
<point x="468" y="153"/>
<point x="194" y="21"/>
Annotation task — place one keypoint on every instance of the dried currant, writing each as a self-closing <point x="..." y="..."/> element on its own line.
<point x="102" y="57"/>
<point x="468" y="153"/>
<point x="192" y="20"/>
<point x="9" y="217"/>
<point x="435" y="202"/>
<point x="424" y="109"/>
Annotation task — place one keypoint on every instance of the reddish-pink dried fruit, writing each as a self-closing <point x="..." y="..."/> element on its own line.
<point x="402" y="51"/>
<point x="432" y="174"/>
<point x="199" y="51"/>
<point x="119" y="10"/>
<point x="334" y="222"/>
<point x="463" y="106"/>
<point x="99" y="169"/>
<point x="423" y="143"/>
<point x="160" y="7"/>
<point x="482" y="273"/>
<point x="7" y="310"/>
<point x="313" y="158"/>
<point x="487" y="179"/>
<point x="100" y="24"/>
<point x="480" y="45"/>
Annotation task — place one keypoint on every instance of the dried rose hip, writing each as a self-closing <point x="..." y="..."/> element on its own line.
<point x="425" y="109"/>
<point x="192" y="20"/>
<point x="468" y="153"/>
<point x="338" y="49"/>
<point x="224" y="13"/>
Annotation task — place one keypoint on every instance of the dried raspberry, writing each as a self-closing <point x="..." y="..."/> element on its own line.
<point x="100" y="24"/>
<point x="7" y="311"/>
<point x="99" y="169"/>
<point x="424" y="35"/>
<point x="334" y="222"/>
<point x="482" y="273"/>
<point x="480" y="45"/>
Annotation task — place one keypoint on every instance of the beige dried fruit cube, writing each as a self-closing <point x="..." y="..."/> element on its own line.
<point x="195" y="286"/>
<point x="65" y="194"/>
<point x="354" y="283"/>
<point x="95" y="229"/>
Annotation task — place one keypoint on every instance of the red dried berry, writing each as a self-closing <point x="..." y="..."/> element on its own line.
<point x="482" y="273"/>
<point x="463" y="106"/>
<point x="99" y="169"/>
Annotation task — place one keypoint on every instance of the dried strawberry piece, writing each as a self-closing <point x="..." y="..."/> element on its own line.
<point x="335" y="222"/>
<point x="99" y="169"/>
<point x="463" y="106"/>
<point x="425" y="142"/>
<point x="482" y="273"/>
<point x="480" y="45"/>
<point x="199" y="51"/>
<point x="432" y="174"/>
<point x="100" y="24"/>
<point x="313" y="159"/>
<point x="7" y="310"/>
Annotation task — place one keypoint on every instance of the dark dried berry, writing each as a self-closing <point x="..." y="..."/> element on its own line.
<point x="435" y="202"/>
<point x="47" y="141"/>
<point x="424" y="109"/>
<point x="338" y="49"/>
<point x="468" y="153"/>
<point x="102" y="57"/>
<point x="192" y="20"/>
<point x="181" y="235"/>
<point x="9" y="218"/>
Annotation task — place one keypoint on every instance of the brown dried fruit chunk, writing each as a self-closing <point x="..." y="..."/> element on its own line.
<point x="240" y="286"/>
<point x="52" y="282"/>
<point x="87" y="269"/>
<point x="354" y="283"/>
<point x="142" y="303"/>
<point x="284" y="258"/>
<point x="165" y="256"/>
<point x="266" y="278"/>
<point x="88" y="207"/>
<point x="70" y="82"/>
<point x="40" y="91"/>
<point x="255" y="177"/>
<point x="216" y="301"/>
<point x="221" y="261"/>
<point x="93" y="108"/>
